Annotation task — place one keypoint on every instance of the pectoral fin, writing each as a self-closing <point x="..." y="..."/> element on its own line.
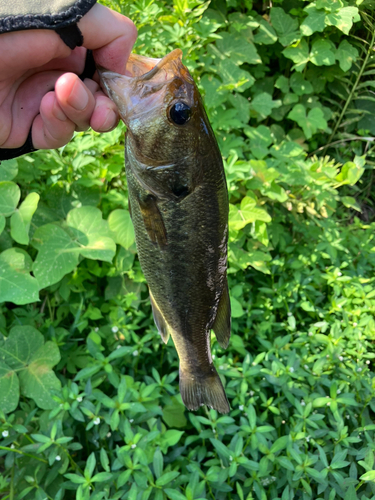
<point x="159" y="320"/>
<point x="153" y="220"/>
<point x="222" y="322"/>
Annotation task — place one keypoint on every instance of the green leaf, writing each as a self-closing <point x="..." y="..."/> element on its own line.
<point x="343" y="18"/>
<point x="57" y="256"/>
<point x="351" y="493"/>
<point x="8" y="169"/>
<point x="238" y="48"/>
<point x="315" y="21"/>
<point x="310" y="123"/>
<point x="299" y="54"/>
<point x="282" y="83"/>
<point x="101" y="477"/>
<point x="75" y="478"/>
<point x="174" y="494"/>
<point x="299" y="85"/>
<point x="21" y="219"/>
<point x="38" y="380"/>
<point x="263" y="104"/>
<point x="350" y="173"/>
<point x="248" y="212"/>
<point x="236" y="308"/>
<point x="158" y="463"/>
<point x="220" y="448"/>
<point x="172" y="437"/>
<point x="286" y="26"/>
<point x="167" y="478"/>
<point x="346" y="54"/>
<point x="322" y="53"/>
<point x="24" y="351"/>
<point x="92" y="233"/>
<point x="174" y="414"/>
<point x="265" y="34"/>
<point x="279" y="444"/>
<point x="2" y="223"/>
<point x="121" y="225"/>
<point x="9" y="388"/>
<point x="233" y="77"/>
<point x="90" y="465"/>
<point x="16" y="283"/>
<point x="350" y="202"/>
<point x="368" y="476"/>
<point x="21" y="344"/>
<point x="9" y="197"/>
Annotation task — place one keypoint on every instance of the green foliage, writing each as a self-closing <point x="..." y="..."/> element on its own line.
<point x="89" y="400"/>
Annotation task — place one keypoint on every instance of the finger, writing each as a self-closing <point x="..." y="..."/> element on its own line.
<point x="51" y="128"/>
<point x="75" y="99"/>
<point x="91" y="85"/>
<point x="110" y="35"/>
<point x="23" y="50"/>
<point x="22" y="106"/>
<point x="105" y="116"/>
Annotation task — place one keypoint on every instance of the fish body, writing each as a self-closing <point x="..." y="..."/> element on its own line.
<point x="179" y="207"/>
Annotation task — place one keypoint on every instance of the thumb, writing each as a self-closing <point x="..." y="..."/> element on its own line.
<point x="110" y="35"/>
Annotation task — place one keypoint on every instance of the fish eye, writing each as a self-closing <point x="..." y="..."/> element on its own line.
<point x="180" y="113"/>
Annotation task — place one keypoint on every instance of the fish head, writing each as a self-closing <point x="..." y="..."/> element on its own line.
<point x="160" y="105"/>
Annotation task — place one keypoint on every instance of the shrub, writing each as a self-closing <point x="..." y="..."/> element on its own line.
<point x="89" y="397"/>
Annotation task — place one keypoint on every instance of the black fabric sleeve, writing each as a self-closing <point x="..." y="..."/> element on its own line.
<point x="61" y="16"/>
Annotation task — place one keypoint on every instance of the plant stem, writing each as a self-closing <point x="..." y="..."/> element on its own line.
<point x="354" y="88"/>
<point x="11" y="492"/>
<point x="23" y="453"/>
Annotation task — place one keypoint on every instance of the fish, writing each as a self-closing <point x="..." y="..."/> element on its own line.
<point x="178" y="202"/>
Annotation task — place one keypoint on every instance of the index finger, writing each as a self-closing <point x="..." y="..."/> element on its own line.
<point x="109" y="35"/>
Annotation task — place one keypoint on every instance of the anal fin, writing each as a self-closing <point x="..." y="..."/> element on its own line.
<point x="159" y="320"/>
<point x="222" y="322"/>
<point x="203" y="390"/>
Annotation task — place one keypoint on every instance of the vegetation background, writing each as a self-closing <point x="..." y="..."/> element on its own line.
<point x="89" y="397"/>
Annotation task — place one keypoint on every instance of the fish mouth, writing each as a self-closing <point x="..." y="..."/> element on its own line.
<point x="144" y="78"/>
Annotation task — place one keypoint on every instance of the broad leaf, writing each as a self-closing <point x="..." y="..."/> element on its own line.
<point x="322" y="53"/>
<point x="16" y="283"/>
<point x="309" y="123"/>
<point x="343" y="18"/>
<point x="9" y="388"/>
<point x="285" y="26"/>
<point x="21" y="219"/>
<point x="299" y="54"/>
<point x="121" y="225"/>
<point x="238" y="49"/>
<point x="8" y="169"/>
<point x="92" y="233"/>
<point x="38" y="380"/>
<point x="9" y="197"/>
<point x="263" y="104"/>
<point x="315" y="21"/>
<point x="346" y="54"/>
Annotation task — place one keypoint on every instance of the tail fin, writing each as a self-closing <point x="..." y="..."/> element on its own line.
<point x="199" y="390"/>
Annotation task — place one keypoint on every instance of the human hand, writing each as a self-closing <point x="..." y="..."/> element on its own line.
<point x="39" y="86"/>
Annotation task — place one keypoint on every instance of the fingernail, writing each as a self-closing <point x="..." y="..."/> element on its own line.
<point x="78" y="97"/>
<point x="110" y="122"/>
<point x="58" y="112"/>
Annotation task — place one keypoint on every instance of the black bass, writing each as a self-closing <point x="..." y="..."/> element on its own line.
<point x="179" y="207"/>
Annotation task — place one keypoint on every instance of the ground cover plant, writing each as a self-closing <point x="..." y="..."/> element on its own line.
<point x="89" y="397"/>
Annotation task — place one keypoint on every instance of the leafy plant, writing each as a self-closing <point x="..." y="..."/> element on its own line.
<point x="89" y="401"/>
